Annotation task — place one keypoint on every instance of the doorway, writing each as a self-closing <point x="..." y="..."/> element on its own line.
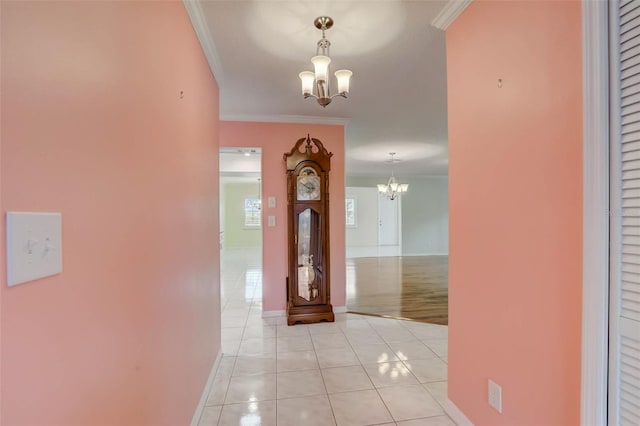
<point x="400" y="276"/>
<point x="240" y="242"/>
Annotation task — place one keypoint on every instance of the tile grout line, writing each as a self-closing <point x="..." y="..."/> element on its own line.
<point x="276" y="376"/>
<point x="377" y="329"/>
<point x="367" y="373"/>
<point x="333" y="414"/>
<point x="237" y="354"/>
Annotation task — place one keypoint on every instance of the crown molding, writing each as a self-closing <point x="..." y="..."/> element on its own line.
<point x="200" y="26"/>
<point x="304" y="119"/>
<point x="449" y="13"/>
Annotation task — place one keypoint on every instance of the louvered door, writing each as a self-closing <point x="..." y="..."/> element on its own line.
<point x="624" y="342"/>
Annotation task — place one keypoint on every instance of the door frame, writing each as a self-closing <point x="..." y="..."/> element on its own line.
<point x="595" y="255"/>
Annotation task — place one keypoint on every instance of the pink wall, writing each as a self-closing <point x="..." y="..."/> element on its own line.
<point x="93" y="126"/>
<point x="275" y="139"/>
<point x="515" y="184"/>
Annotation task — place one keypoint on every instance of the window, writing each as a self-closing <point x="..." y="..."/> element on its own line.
<point x="252" y="212"/>
<point x="350" y="211"/>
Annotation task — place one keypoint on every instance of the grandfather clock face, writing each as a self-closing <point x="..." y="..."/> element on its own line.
<point x="308" y="185"/>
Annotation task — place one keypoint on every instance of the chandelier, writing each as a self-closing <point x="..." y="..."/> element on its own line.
<point x="321" y="65"/>
<point x="392" y="188"/>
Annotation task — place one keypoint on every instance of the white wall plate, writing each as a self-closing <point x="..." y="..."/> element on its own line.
<point x="34" y="246"/>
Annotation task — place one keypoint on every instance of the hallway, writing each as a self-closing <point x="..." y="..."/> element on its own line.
<point x="357" y="371"/>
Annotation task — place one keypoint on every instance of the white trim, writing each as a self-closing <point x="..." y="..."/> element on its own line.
<point x="386" y="175"/>
<point x="273" y="314"/>
<point x="304" y="119"/>
<point x="205" y="393"/>
<point x="423" y="254"/>
<point x="339" y="309"/>
<point x="456" y="414"/>
<point x="615" y="218"/>
<point x="595" y="272"/>
<point x="449" y="13"/>
<point x="200" y="26"/>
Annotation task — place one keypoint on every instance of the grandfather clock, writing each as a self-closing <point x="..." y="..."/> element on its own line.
<point x="308" y="288"/>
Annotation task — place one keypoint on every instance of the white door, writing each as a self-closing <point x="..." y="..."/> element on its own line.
<point x="388" y="221"/>
<point x="624" y="332"/>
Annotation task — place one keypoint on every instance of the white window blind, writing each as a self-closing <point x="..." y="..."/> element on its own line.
<point x="350" y="212"/>
<point x="624" y="342"/>
<point x="252" y="212"/>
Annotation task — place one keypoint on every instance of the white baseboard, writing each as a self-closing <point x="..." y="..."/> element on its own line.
<point x="339" y="309"/>
<point x="456" y="414"/>
<point x="205" y="393"/>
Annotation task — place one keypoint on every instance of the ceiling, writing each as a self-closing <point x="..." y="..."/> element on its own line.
<point x="397" y="100"/>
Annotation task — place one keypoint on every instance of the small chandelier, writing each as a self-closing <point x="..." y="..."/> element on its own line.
<point x="321" y="64"/>
<point x="392" y="188"/>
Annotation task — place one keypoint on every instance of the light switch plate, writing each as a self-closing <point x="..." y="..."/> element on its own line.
<point x="271" y="221"/>
<point x="272" y="202"/>
<point x="34" y="246"/>
<point x="495" y="396"/>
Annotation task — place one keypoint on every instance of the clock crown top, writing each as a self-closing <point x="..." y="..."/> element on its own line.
<point x="313" y="150"/>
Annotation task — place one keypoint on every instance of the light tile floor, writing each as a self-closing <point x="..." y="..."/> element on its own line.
<point x="358" y="370"/>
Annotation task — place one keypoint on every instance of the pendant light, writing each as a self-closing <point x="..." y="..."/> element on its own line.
<point x="320" y="77"/>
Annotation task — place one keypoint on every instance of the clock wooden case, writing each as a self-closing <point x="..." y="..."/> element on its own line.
<point x="308" y="286"/>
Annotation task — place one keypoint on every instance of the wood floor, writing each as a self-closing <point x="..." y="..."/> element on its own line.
<point x="413" y="287"/>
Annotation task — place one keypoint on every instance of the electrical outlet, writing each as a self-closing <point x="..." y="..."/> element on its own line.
<point x="495" y="396"/>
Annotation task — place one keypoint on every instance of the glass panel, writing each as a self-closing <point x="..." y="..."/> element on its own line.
<point x="307" y="255"/>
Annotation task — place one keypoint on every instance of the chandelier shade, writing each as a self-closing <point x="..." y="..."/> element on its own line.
<point x="308" y="79"/>
<point x="319" y="79"/>
<point x="343" y="77"/>
<point x="321" y="66"/>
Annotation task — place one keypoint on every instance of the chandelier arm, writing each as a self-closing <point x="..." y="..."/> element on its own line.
<point x="343" y="94"/>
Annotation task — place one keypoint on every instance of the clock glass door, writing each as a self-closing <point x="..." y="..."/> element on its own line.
<point x="309" y="255"/>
